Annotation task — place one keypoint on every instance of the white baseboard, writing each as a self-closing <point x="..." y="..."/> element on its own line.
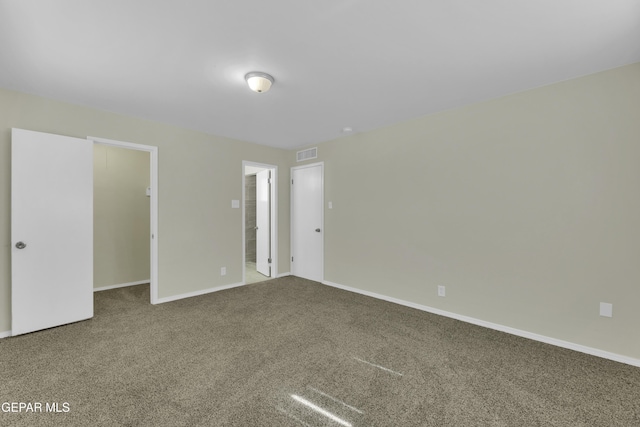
<point x="121" y="285"/>
<point x="513" y="331"/>
<point x="283" y="275"/>
<point x="197" y="293"/>
<point x="5" y="334"/>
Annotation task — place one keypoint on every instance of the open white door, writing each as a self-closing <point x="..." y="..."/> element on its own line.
<point x="263" y="222"/>
<point x="307" y="242"/>
<point x="51" y="230"/>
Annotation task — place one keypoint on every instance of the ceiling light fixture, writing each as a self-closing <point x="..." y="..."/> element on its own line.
<point x="259" y="82"/>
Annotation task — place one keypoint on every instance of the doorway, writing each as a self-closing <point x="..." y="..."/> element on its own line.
<point x="307" y="221"/>
<point x="152" y="193"/>
<point x="52" y="215"/>
<point x="259" y="221"/>
<point x="121" y="217"/>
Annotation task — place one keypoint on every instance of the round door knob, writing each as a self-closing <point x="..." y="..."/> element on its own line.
<point x="317" y="230"/>
<point x="21" y="245"/>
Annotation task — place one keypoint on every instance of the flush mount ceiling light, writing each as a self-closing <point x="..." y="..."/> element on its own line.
<point x="259" y="82"/>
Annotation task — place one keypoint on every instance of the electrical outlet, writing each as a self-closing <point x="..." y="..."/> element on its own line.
<point x="223" y="271"/>
<point x="441" y="291"/>
<point x="606" y="309"/>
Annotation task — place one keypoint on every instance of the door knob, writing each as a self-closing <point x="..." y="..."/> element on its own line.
<point x="21" y="245"/>
<point x="317" y="230"/>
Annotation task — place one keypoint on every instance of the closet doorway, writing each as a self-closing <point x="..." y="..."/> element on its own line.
<point x="125" y="215"/>
<point x="259" y="219"/>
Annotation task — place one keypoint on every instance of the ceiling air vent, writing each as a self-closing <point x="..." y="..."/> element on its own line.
<point x="309" y="153"/>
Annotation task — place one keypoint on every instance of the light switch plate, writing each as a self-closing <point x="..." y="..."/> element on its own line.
<point x="606" y="309"/>
<point x="235" y="204"/>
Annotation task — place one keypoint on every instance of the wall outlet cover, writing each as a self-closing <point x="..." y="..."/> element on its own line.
<point x="441" y="291"/>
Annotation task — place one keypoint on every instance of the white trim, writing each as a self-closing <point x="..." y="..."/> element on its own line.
<point x="5" y="334"/>
<point x="121" y="144"/>
<point x="153" y="155"/>
<point x="283" y="274"/>
<point x="513" y="331"/>
<point x="291" y="213"/>
<point x="197" y="293"/>
<point x="121" y="285"/>
<point x="274" y="217"/>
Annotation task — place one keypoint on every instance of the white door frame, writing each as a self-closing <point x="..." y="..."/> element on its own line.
<point x="153" y="151"/>
<point x="263" y="211"/>
<point x="291" y="214"/>
<point x="274" y="218"/>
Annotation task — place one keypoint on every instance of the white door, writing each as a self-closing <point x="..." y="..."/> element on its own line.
<point x="51" y="230"/>
<point x="307" y="222"/>
<point x="263" y="222"/>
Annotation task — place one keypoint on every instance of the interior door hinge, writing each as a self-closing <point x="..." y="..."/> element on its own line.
<point x="269" y="260"/>
<point x="291" y="182"/>
<point x="291" y="259"/>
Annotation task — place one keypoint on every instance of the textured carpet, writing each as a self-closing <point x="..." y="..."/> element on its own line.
<point x="290" y="352"/>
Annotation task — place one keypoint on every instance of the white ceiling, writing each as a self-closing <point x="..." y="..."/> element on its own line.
<point x="336" y="63"/>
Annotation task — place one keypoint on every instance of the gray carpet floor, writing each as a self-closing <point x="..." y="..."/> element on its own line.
<point x="291" y="352"/>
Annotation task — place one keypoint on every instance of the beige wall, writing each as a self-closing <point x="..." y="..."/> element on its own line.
<point x="121" y="219"/>
<point x="527" y="208"/>
<point x="199" y="175"/>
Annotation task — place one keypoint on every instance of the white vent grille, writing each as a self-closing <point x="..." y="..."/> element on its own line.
<point x="309" y="153"/>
